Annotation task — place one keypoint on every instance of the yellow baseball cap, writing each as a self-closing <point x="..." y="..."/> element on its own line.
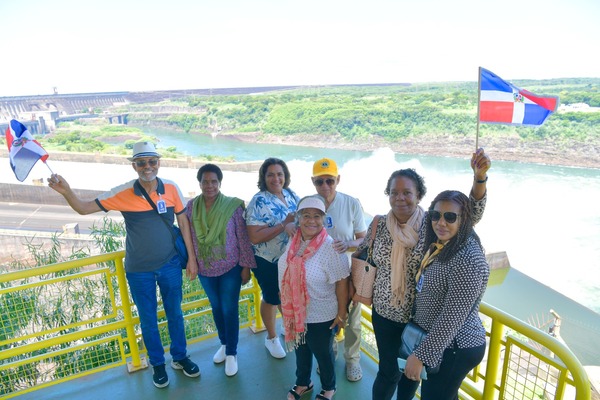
<point x="325" y="166"/>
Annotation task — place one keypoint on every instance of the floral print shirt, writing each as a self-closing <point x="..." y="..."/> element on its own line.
<point x="265" y="208"/>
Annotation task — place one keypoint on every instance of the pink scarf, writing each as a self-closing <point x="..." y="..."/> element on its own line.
<point x="294" y="293"/>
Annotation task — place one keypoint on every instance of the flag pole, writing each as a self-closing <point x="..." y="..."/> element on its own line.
<point x="478" y="105"/>
<point x="46" y="164"/>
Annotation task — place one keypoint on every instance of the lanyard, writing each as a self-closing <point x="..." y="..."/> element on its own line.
<point x="428" y="258"/>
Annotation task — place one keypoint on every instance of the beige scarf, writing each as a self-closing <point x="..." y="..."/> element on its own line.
<point x="405" y="237"/>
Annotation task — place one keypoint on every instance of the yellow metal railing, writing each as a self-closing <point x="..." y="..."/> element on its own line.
<point x="75" y="318"/>
<point x="524" y="364"/>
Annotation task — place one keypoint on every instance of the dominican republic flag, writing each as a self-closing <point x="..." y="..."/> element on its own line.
<point x="23" y="150"/>
<point x="501" y="102"/>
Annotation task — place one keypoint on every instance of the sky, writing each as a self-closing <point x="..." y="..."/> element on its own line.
<point x="83" y="46"/>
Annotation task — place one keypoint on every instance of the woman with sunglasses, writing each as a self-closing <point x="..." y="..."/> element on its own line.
<point x="393" y="292"/>
<point x="451" y="279"/>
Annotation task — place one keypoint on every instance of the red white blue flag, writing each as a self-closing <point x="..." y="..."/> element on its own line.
<point x="23" y="150"/>
<point x="501" y="102"/>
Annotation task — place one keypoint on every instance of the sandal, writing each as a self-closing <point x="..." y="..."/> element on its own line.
<point x="297" y="395"/>
<point x="321" y="396"/>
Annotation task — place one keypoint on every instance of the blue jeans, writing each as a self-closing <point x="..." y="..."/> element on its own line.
<point x="389" y="378"/>
<point x="224" y="294"/>
<point x="143" y="290"/>
<point x="319" y="341"/>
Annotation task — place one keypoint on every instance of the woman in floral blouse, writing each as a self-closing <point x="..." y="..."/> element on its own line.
<point x="269" y="211"/>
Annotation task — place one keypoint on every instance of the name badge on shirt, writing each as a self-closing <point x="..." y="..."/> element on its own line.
<point x="328" y="222"/>
<point x="161" y="206"/>
<point x="420" y="284"/>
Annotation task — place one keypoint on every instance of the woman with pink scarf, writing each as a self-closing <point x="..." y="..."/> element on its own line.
<point x="313" y="282"/>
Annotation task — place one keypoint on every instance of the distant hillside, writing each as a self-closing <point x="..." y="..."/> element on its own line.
<point x="429" y="118"/>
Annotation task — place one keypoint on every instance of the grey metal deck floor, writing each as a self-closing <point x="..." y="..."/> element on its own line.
<point x="260" y="377"/>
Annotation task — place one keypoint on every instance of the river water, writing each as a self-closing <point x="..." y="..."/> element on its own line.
<point x="545" y="217"/>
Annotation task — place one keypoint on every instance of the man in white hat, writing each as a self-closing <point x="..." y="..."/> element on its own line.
<point x="345" y="223"/>
<point x="150" y="258"/>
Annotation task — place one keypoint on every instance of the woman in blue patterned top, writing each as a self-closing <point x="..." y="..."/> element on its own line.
<point x="451" y="279"/>
<point x="267" y="214"/>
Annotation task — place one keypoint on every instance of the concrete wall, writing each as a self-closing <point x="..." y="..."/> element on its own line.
<point x="14" y="244"/>
<point x="14" y="193"/>
<point x="188" y="162"/>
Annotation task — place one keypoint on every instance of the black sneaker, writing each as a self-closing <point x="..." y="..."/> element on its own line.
<point x="160" y="377"/>
<point x="189" y="368"/>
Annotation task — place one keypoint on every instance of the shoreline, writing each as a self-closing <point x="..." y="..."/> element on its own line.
<point x="500" y="149"/>
<point x="513" y="149"/>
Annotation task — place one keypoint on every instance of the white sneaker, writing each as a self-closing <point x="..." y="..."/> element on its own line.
<point x="231" y="367"/>
<point x="274" y="347"/>
<point x="219" y="356"/>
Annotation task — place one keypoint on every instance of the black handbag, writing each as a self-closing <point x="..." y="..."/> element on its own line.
<point x="178" y="241"/>
<point x="412" y="336"/>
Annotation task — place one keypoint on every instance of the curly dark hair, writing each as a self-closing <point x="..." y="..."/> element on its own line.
<point x="210" y="168"/>
<point x="411" y="174"/>
<point x="465" y="230"/>
<point x="262" y="173"/>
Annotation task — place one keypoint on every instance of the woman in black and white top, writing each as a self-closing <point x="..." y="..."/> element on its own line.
<point x="451" y="279"/>
<point x="397" y="234"/>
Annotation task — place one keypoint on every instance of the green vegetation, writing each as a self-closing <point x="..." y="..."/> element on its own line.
<point x="385" y="112"/>
<point x="389" y="112"/>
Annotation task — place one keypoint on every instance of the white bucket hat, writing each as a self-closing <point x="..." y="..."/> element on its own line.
<point x="143" y="149"/>
<point x="312" y="202"/>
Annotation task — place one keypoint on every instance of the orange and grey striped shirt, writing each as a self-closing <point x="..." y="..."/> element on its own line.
<point x="149" y="242"/>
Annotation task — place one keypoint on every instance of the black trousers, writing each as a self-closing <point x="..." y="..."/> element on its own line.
<point x="389" y="379"/>
<point x="456" y="364"/>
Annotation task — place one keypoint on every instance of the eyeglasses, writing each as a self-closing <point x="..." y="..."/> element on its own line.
<point x="449" y="217"/>
<point x="329" y="181"/>
<point x="142" y="163"/>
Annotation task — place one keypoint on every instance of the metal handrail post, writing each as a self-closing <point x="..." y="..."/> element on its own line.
<point x="136" y="361"/>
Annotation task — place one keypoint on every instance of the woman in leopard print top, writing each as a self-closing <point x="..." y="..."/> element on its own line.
<point x="393" y="291"/>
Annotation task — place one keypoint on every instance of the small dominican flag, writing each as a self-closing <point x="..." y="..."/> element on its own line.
<point x="501" y="102"/>
<point x="23" y="150"/>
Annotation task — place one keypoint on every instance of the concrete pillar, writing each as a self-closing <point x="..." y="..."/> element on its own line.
<point x="71" y="228"/>
<point x="42" y="123"/>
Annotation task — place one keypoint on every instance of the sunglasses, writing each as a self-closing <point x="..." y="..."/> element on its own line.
<point x="329" y="181"/>
<point x="142" y="163"/>
<point x="449" y="217"/>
